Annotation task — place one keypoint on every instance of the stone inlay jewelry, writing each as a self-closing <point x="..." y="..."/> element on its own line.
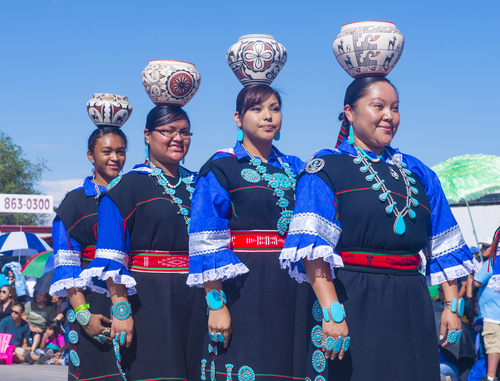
<point x="73" y="337"/>
<point x="74" y="358"/>
<point x="216" y="299"/>
<point x="212" y="371"/>
<point x="338" y="344"/>
<point x="212" y="349"/>
<point x="122" y="310"/>
<point x="319" y="378"/>
<point x="71" y="316"/>
<point x="317" y="311"/>
<point x="229" y="371"/>
<point x="203" y="366"/>
<point x="213" y="337"/>
<point x="317" y="336"/>
<point x="83" y="317"/>
<point x="170" y="189"/>
<point x="454" y="336"/>
<point x="118" y="356"/>
<point x="220" y="337"/>
<point x="399" y="224"/>
<point x="318" y="361"/>
<point x="346" y="344"/>
<point x="279" y="182"/>
<point x="246" y="374"/>
<point x="329" y="343"/>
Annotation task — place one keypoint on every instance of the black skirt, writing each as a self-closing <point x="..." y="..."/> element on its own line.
<point x="391" y="325"/>
<point x="269" y="316"/>
<point x="97" y="361"/>
<point x="170" y="322"/>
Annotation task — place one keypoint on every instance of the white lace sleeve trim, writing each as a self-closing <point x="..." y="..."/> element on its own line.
<point x="452" y="273"/>
<point x="59" y="288"/>
<point x="447" y="242"/>
<point x="115" y="275"/>
<point x="114" y="255"/>
<point x="314" y="224"/>
<point x="494" y="282"/>
<point x="292" y="254"/>
<point x="67" y="258"/>
<point x="222" y="273"/>
<point x="209" y="242"/>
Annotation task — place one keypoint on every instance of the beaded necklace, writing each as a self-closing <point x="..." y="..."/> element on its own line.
<point x="399" y="225"/>
<point x="279" y="182"/>
<point x="170" y="189"/>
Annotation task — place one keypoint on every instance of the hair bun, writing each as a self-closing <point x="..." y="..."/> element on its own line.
<point x="342" y="116"/>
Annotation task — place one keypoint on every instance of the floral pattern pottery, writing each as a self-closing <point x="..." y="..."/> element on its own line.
<point x="368" y="48"/>
<point x="109" y="109"/>
<point x="256" y="58"/>
<point x="170" y="83"/>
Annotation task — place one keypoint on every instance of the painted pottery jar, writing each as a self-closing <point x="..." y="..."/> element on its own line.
<point x="256" y="58"/>
<point x="170" y="83"/>
<point x="109" y="109"/>
<point x="368" y="48"/>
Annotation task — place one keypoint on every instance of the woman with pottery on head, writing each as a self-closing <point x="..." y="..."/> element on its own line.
<point x="364" y="212"/>
<point x="240" y="213"/>
<point x="142" y="254"/>
<point x="7" y="300"/>
<point x="74" y="232"/>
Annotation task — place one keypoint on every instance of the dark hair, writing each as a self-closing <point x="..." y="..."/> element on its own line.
<point x="54" y="326"/>
<point x="161" y="115"/>
<point x="100" y="132"/>
<point x="358" y="89"/>
<point x="12" y="292"/>
<point x="18" y="304"/>
<point x="254" y="95"/>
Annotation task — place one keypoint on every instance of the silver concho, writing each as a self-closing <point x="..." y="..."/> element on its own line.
<point x="315" y="165"/>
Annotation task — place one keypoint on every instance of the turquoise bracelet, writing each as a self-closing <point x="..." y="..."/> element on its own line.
<point x="335" y="312"/>
<point x="454" y="304"/>
<point x="216" y="299"/>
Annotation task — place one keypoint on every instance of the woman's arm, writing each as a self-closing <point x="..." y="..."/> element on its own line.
<point x="219" y="321"/>
<point x="449" y="320"/>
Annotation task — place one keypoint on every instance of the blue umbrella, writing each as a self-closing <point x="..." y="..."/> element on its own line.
<point x="22" y="244"/>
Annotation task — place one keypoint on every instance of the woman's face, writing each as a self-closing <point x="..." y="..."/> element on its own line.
<point x="11" y="274"/>
<point x="261" y="121"/>
<point x="169" y="143"/>
<point x="375" y="117"/>
<point x="108" y="156"/>
<point x="4" y="294"/>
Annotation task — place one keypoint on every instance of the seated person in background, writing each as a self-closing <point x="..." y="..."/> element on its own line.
<point x="489" y="311"/>
<point x="52" y="341"/>
<point x="20" y="331"/>
<point x="7" y="299"/>
<point x="38" y="313"/>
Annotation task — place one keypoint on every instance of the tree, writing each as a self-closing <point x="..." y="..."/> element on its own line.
<point x="19" y="176"/>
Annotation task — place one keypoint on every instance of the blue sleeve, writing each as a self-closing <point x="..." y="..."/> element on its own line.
<point x="26" y="331"/>
<point x="112" y="249"/>
<point x="483" y="275"/>
<point x="448" y="255"/>
<point x="314" y="230"/>
<point x="67" y="263"/>
<point x="210" y="257"/>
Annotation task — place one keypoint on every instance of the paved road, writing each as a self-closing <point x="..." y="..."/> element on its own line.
<point x="26" y="372"/>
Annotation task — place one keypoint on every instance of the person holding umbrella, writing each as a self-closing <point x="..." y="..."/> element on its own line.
<point x="74" y="232"/>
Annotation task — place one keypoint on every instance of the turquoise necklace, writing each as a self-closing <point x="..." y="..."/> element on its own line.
<point x="279" y="182"/>
<point x="379" y="185"/>
<point x="170" y="189"/>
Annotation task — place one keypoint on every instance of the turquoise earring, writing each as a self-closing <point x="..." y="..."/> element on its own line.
<point x="93" y="169"/>
<point x="278" y="136"/>
<point x="147" y="153"/>
<point x="239" y="135"/>
<point x="350" y="139"/>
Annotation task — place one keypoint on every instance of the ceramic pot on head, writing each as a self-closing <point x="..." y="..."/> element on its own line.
<point x="368" y="48"/>
<point x="109" y="109"/>
<point x="170" y="83"/>
<point x="256" y="58"/>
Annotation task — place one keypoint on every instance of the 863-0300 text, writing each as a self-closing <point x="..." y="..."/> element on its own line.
<point x="25" y="203"/>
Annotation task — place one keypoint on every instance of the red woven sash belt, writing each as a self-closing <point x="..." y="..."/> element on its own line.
<point x="88" y="254"/>
<point x="381" y="261"/>
<point x="257" y="240"/>
<point x="159" y="261"/>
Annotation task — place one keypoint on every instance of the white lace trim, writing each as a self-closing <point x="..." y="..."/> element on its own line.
<point x="452" y="273"/>
<point x="59" y="288"/>
<point x="290" y="255"/>
<point x="209" y="242"/>
<point x="222" y="273"/>
<point x="115" y="275"/>
<point x="447" y="242"/>
<point x="114" y="255"/>
<point x="67" y="258"/>
<point x="494" y="282"/>
<point x="314" y="224"/>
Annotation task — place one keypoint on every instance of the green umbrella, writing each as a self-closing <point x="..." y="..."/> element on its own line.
<point x="468" y="178"/>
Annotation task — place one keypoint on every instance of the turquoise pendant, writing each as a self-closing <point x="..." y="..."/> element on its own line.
<point x="383" y="196"/>
<point x="414" y="201"/>
<point x="364" y="168"/>
<point x="407" y="171"/>
<point x="357" y="160"/>
<point x="412" y="213"/>
<point x="389" y="209"/>
<point x="376" y="186"/>
<point x="370" y="177"/>
<point x="399" y="225"/>
<point x="414" y="190"/>
<point x="411" y="179"/>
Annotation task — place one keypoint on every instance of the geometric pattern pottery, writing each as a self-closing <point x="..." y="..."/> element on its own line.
<point x="256" y="58"/>
<point x="109" y="109"/>
<point x="368" y="48"/>
<point x="170" y="83"/>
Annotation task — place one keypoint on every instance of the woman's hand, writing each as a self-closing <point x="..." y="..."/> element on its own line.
<point x="95" y="327"/>
<point x="220" y="322"/>
<point x="334" y="330"/>
<point x="124" y="329"/>
<point x="449" y="322"/>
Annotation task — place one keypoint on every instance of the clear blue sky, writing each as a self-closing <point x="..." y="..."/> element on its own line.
<point x="55" y="54"/>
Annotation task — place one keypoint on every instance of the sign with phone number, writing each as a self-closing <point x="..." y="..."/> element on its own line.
<point x="26" y="203"/>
